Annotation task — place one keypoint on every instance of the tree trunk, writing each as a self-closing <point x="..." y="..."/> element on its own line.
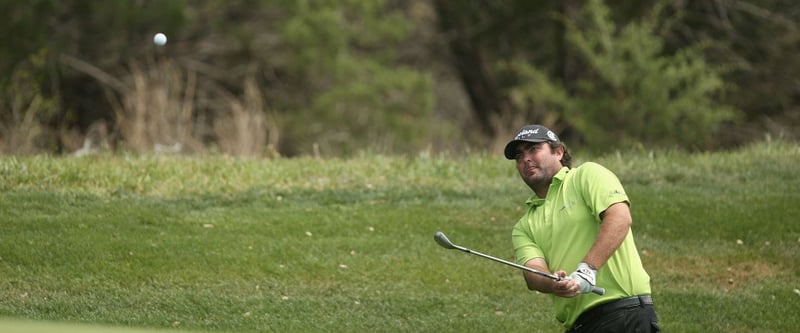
<point x="469" y="62"/>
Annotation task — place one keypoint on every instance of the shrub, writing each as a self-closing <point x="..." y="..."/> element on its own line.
<point x="631" y="92"/>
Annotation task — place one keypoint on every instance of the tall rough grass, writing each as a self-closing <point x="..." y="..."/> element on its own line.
<point x="159" y="105"/>
<point x="25" y="110"/>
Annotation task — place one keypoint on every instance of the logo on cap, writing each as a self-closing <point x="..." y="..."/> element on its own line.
<point x="528" y="132"/>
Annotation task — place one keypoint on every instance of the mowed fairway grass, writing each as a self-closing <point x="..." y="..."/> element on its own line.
<point x="216" y="244"/>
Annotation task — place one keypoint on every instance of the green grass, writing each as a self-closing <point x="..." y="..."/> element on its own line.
<point x="218" y="244"/>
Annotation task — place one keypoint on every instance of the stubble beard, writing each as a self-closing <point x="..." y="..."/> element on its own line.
<point x="537" y="179"/>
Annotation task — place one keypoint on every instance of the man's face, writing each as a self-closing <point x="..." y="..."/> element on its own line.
<point x="537" y="163"/>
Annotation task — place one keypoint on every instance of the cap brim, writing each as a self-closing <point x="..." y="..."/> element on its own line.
<point x="511" y="148"/>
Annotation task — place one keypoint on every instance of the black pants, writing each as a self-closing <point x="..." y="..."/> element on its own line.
<point x="632" y="314"/>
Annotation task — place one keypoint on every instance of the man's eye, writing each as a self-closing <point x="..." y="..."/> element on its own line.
<point x="534" y="148"/>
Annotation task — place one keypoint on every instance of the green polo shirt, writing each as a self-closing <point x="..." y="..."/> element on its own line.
<point x="562" y="227"/>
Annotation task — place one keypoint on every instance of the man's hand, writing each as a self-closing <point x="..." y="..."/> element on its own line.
<point x="585" y="277"/>
<point x="566" y="287"/>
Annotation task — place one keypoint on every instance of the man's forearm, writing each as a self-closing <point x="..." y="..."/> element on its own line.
<point x="538" y="283"/>
<point x="562" y="288"/>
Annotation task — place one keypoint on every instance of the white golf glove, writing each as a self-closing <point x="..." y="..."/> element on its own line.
<point x="585" y="276"/>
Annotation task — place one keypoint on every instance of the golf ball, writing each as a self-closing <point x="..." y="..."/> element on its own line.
<point x="160" y="39"/>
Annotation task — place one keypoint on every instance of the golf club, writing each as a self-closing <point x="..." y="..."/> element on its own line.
<point x="442" y="240"/>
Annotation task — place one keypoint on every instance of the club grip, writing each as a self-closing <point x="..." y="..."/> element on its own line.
<point x="598" y="290"/>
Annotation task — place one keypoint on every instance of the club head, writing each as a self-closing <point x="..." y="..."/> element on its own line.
<point x="442" y="240"/>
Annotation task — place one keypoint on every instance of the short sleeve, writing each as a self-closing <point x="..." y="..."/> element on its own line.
<point x="600" y="188"/>
<point x="525" y="246"/>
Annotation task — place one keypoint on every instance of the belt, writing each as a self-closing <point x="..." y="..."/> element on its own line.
<point x="604" y="309"/>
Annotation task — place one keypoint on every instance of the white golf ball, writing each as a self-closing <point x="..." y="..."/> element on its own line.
<point x="160" y="39"/>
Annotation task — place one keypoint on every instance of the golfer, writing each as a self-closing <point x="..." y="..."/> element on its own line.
<point x="578" y="221"/>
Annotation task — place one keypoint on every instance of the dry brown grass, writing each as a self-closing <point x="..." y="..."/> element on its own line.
<point x="22" y="112"/>
<point x="156" y="108"/>
<point x="20" y="133"/>
<point x="245" y="129"/>
<point x="163" y="107"/>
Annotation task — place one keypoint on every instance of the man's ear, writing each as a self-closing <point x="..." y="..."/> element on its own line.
<point x="560" y="151"/>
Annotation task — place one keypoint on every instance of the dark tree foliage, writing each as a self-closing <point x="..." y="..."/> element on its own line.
<point x="264" y="78"/>
<point x="750" y="44"/>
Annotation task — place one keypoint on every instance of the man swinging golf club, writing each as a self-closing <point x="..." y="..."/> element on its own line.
<point x="578" y="221"/>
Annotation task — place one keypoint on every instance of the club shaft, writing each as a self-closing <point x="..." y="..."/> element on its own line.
<point x="525" y="268"/>
<point x="596" y="290"/>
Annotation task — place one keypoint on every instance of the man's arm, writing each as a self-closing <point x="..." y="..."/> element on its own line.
<point x="563" y="288"/>
<point x="613" y="230"/>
